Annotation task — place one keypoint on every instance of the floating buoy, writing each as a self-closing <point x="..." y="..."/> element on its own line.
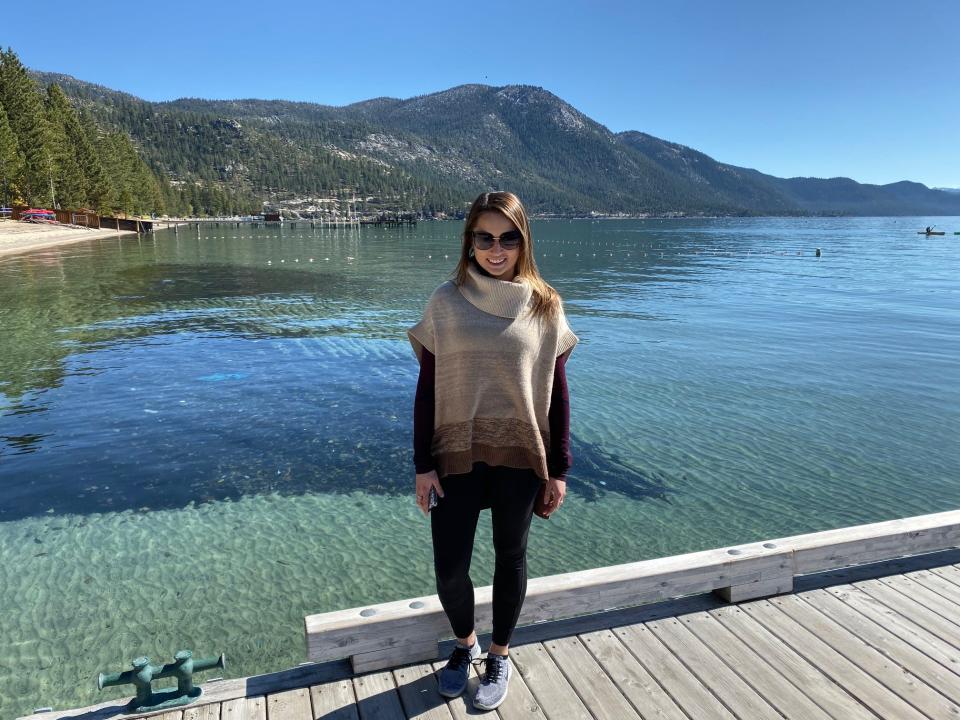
<point x="818" y="252"/>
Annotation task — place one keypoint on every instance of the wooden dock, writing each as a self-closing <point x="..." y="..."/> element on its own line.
<point x="865" y="639"/>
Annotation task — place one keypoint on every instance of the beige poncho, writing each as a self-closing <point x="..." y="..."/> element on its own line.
<point x="494" y="373"/>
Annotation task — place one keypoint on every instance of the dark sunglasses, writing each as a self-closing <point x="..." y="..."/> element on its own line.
<point x="508" y="240"/>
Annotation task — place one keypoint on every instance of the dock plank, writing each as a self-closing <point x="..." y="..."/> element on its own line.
<point x="817" y="685"/>
<point x="858" y="682"/>
<point x="729" y="687"/>
<point x="685" y="688"/>
<point x="547" y="684"/>
<point x="631" y="678"/>
<point x="334" y="701"/>
<point x="926" y="597"/>
<point x="903" y="627"/>
<point x="417" y="687"/>
<point x="589" y="680"/>
<point x="290" y="705"/>
<point x="204" y="712"/>
<point x="937" y="584"/>
<point x="888" y="644"/>
<point x="948" y="572"/>
<point x="882" y="666"/>
<point x="377" y="697"/>
<point x="753" y="668"/>
<point x="910" y="608"/>
<point x="252" y="708"/>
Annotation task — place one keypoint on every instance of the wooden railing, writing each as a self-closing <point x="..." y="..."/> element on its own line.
<point x="406" y="631"/>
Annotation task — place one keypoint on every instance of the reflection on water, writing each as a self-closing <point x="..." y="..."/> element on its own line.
<point x="247" y="393"/>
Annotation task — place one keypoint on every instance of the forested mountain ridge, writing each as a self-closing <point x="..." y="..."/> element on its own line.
<point x="53" y="155"/>
<point x="433" y="153"/>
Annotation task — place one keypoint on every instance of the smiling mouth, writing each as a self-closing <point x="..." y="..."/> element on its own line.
<point x="501" y="261"/>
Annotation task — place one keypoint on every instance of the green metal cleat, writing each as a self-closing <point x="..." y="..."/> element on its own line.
<point x="143" y="674"/>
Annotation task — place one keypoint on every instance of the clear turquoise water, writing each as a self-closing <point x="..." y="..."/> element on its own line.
<point x="205" y="436"/>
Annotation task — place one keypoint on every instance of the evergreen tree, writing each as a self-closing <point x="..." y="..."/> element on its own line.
<point x="84" y="135"/>
<point x="24" y="105"/>
<point x="11" y="161"/>
<point x="68" y="179"/>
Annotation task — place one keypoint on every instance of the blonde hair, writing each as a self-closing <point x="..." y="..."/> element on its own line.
<point x="546" y="300"/>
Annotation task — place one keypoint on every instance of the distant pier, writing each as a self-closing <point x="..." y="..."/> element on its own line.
<point x="407" y="219"/>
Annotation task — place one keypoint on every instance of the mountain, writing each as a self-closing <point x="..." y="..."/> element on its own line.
<point x="434" y="152"/>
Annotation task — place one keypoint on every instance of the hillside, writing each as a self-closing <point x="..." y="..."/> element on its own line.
<point x="434" y="152"/>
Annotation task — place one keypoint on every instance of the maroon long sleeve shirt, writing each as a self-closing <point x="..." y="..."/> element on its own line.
<point x="558" y="456"/>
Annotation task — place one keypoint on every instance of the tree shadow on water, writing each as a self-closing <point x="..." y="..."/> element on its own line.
<point x="596" y="472"/>
<point x="373" y="461"/>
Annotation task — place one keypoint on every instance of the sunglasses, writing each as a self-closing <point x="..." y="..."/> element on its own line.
<point x="508" y="240"/>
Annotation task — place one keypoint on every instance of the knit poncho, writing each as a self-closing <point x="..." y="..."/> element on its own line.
<point x="494" y="373"/>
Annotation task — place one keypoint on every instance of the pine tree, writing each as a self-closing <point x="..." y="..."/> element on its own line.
<point x="85" y="142"/>
<point x="69" y="180"/>
<point x="11" y="161"/>
<point x="24" y="105"/>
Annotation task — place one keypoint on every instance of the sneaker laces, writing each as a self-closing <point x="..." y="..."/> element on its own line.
<point x="459" y="658"/>
<point x="493" y="665"/>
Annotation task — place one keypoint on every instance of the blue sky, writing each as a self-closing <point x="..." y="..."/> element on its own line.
<point x="868" y="90"/>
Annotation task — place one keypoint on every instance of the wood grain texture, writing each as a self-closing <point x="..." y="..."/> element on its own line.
<point x="686" y="689"/>
<point x="807" y="677"/>
<point x="547" y="684"/>
<point x="632" y="679"/>
<point x="752" y="667"/>
<point x="334" y="701"/>
<point x="377" y="697"/>
<point x="862" y="685"/>
<point x="290" y="705"/>
<point x="252" y="708"/>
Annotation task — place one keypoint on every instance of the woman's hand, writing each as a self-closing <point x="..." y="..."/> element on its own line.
<point x="553" y="495"/>
<point x="425" y="481"/>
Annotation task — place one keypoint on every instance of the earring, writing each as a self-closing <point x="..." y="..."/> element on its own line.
<point x="470" y="253"/>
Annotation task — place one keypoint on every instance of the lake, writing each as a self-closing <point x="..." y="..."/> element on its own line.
<point x="206" y="435"/>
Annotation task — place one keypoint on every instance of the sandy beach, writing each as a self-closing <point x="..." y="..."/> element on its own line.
<point x="19" y="237"/>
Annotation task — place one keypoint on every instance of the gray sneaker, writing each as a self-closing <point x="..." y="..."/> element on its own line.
<point x="453" y="678"/>
<point x="493" y="687"/>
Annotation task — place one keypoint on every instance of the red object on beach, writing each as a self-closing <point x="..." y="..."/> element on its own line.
<point x="39" y="214"/>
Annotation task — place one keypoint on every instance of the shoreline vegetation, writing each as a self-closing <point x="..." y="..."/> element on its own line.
<point x="53" y="155"/>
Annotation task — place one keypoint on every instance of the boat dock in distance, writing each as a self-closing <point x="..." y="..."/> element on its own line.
<point x="856" y="623"/>
<point x="390" y="220"/>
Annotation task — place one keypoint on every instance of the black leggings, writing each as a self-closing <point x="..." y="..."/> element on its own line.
<point x="510" y="494"/>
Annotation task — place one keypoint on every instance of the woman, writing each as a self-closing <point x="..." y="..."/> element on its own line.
<point x="491" y="425"/>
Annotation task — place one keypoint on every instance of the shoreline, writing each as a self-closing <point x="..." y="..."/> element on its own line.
<point x="18" y="238"/>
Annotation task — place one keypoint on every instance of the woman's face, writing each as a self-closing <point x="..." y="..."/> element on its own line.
<point x="497" y="261"/>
